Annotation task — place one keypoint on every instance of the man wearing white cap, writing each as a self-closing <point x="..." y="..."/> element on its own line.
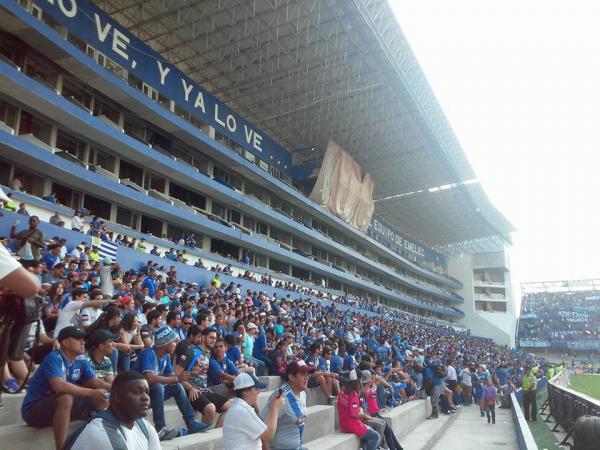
<point x="242" y="428"/>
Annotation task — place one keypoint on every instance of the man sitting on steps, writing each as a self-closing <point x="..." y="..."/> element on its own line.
<point x="155" y="364"/>
<point x="56" y="396"/>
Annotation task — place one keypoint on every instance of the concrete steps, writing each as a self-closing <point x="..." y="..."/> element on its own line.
<point x="16" y="435"/>
<point x="321" y="431"/>
<point x="335" y="441"/>
<point x="429" y="432"/>
<point x="320" y="422"/>
<point x="405" y="418"/>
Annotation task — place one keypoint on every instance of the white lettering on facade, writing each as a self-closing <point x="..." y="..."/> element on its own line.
<point x="119" y="43"/>
<point x="163" y="72"/>
<point x="187" y="88"/>
<point x="68" y="12"/>
<point x="257" y="141"/>
<point x="102" y="31"/>
<point x="199" y="103"/>
<point x="219" y="121"/>
<point x="231" y="123"/>
<point x="253" y="138"/>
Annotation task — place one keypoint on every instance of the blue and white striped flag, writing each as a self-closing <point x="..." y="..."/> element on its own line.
<point x="105" y="248"/>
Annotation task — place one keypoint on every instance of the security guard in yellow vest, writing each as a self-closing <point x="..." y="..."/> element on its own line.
<point x="529" y="393"/>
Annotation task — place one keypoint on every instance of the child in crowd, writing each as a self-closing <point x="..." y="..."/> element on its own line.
<point x="490" y="395"/>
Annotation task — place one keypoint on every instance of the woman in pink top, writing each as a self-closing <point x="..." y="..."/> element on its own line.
<point x="350" y="414"/>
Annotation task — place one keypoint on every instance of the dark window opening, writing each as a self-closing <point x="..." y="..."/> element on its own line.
<point x="66" y="196"/>
<point x="186" y="196"/>
<point x="132" y="172"/>
<point x="97" y="207"/>
<point x="224" y="248"/>
<point x="152" y="226"/>
<point x="126" y="217"/>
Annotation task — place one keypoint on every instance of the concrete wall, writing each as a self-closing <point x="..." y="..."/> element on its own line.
<point x="500" y="326"/>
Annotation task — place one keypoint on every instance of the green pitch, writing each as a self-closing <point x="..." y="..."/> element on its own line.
<point x="586" y="384"/>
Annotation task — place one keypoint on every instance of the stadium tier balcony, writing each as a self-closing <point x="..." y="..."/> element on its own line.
<point x="193" y="255"/>
<point x="81" y="114"/>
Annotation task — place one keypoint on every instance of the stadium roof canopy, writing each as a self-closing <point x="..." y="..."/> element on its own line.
<point x="306" y="71"/>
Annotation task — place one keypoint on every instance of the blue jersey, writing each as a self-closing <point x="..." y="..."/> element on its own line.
<point x="501" y="374"/>
<point x="149" y="362"/>
<point x="383" y="353"/>
<point x="216" y="368"/>
<point x="55" y="365"/>
<point x="336" y="363"/>
<point x="234" y="354"/>
<point x="429" y="374"/>
<point x="259" y="345"/>
<point x="349" y="363"/>
<point x="150" y="283"/>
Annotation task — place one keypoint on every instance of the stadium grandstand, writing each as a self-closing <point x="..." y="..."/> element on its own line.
<point x="280" y="164"/>
<point x="561" y="317"/>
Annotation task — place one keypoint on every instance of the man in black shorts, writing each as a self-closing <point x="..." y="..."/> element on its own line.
<point x="64" y="387"/>
<point x="192" y="355"/>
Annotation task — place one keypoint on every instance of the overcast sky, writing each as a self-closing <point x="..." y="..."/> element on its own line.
<point x="519" y="83"/>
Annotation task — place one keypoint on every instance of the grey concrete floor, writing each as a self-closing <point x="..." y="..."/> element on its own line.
<point x="472" y="432"/>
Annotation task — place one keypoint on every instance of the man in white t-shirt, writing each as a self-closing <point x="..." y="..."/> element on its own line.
<point x="67" y="314"/>
<point x="123" y="422"/>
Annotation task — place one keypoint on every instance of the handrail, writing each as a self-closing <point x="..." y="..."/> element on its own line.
<point x="524" y="437"/>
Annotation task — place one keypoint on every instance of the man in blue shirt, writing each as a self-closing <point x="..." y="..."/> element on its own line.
<point x="336" y="361"/>
<point x="349" y="360"/>
<point x="220" y="368"/>
<point x="383" y="352"/>
<point x="155" y="364"/>
<point x="261" y="346"/>
<point x="434" y="382"/>
<point x="150" y="283"/>
<point x="64" y="388"/>
<point x="52" y="257"/>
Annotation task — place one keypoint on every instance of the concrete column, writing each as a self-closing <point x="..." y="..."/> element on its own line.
<point x="53" y="136"/>
<point x="206" y="241"/>
<point x="117" y="166"/>
<point x="210" y="131"/>
<point x="113" y="213"/>
<point x="59" y="84"/>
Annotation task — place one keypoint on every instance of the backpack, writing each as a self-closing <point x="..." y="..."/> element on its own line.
<point x="438" y="370"/>
<point x="112" y="426"/>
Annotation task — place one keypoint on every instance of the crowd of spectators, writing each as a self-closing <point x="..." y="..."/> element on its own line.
<point x="100" y="228"/>
<point x="205" y="346"/>
<point x="555" y="317"/>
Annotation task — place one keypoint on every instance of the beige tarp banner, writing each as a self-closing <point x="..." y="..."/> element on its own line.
<point x="341" y="188"/>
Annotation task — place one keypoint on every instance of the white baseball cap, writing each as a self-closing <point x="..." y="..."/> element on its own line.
<point x="245" y="380"/>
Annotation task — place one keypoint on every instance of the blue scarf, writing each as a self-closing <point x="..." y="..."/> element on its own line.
<point x="295" y="405"/>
